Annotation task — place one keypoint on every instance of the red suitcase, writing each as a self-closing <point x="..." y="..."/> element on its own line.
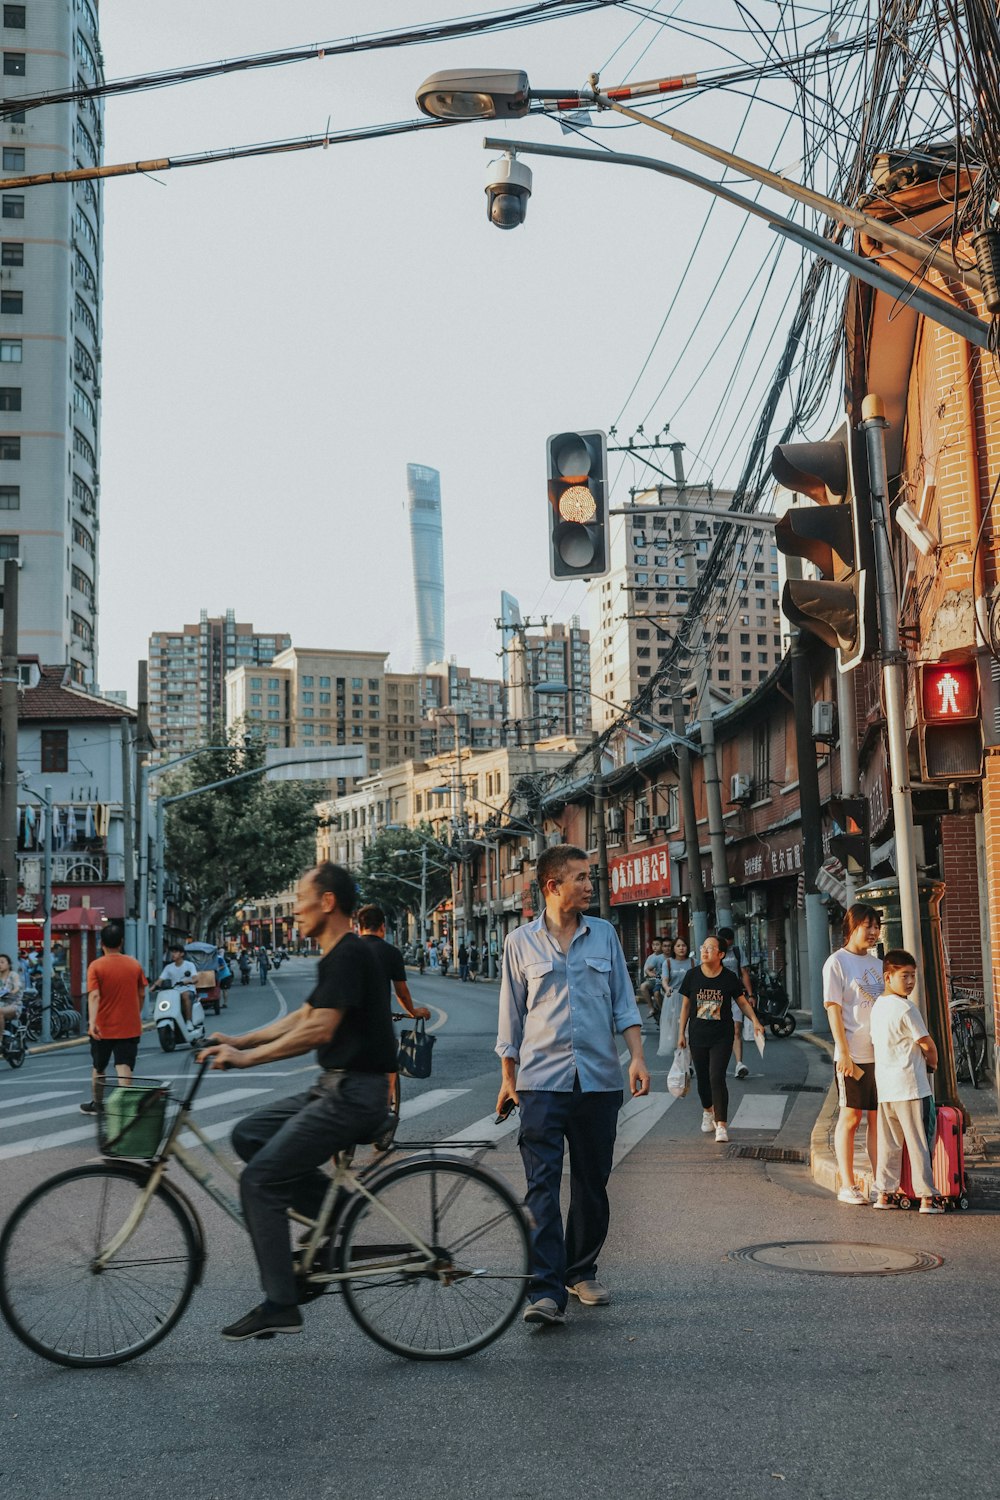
<point x="947" y="1163"/>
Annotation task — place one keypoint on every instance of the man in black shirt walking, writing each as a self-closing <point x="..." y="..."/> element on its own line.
<point x="371" y="926"/>
<point x="347" y="1019"/>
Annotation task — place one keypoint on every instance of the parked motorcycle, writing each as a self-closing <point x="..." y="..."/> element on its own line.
<point x="171" y="1026"/>
<point x="772" y="1003"/>
<point x="14" y="1043"/>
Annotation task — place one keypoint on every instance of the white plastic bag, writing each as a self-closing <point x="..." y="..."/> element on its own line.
<point x="679" y="1079"/>
<point x="748" y="1030"/>
<point x="670" y="1015"/>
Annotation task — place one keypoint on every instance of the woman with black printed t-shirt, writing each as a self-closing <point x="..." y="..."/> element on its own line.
<point x="709" y="992"/>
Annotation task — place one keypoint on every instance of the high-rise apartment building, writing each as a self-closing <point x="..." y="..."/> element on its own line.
<point x="307" y="698"/>
<point x="423" y="487"/>
<point x="187" y="676"/>
<point x="636" y="608"/>
<point x="50" y="332"/>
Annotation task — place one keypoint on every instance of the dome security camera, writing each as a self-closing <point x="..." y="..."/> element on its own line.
<point x="508" y="188"/>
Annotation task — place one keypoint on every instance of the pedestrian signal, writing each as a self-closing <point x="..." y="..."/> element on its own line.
<point x="950" y="725"/>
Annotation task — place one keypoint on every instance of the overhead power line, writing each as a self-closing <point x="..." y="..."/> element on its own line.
<point x="478" y="25"/>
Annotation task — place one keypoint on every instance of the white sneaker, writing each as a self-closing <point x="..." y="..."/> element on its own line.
<point x="853" y="1196"/>
<point x="742" y="1071"/>
<point x="707" y="1122"/>
<point x="721" y="1133"/>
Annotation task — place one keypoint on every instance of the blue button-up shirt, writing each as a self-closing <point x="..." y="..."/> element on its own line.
<point x="560" y="1012"/>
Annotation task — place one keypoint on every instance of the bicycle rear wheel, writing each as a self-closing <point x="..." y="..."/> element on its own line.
<point x="474" y="1287"/>
<point x="54" y="1298"/>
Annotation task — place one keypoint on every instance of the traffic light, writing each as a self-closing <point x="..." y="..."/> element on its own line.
<point x="950" y="724"/>
<point x="578" y="505"/>
<point x="850" y="845"/>
<point x="835" y="536"/>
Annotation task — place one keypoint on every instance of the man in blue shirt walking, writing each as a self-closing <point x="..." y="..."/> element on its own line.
<point x="565" y="993"/>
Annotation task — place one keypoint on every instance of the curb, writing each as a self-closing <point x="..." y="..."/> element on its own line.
<point x="74" y="1041"/>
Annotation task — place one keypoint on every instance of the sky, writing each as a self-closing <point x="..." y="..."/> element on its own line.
<point x="282" y="335"/>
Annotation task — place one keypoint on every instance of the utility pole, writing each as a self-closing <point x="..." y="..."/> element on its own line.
<point x="692" y="852"/>
<point x="601" y="834"/>
<point x="47" y="919"/>
<point x="850" y="784"/>
<point x="128" y="830"/>
<point x="9" y="684"/>
<point x="143" y="746"/>
<point x="703" y="712"/>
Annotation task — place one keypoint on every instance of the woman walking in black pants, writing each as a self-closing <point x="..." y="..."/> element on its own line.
<point x="708" y="992"/>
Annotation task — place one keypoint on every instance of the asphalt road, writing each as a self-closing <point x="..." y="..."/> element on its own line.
<point x="707" y="1376"/>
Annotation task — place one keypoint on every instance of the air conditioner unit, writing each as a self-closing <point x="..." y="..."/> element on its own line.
<point x="661" y="823"/>
<point x="614" y="820"/>
<point x="822" y="721"/>
<point x="640" y="827"/>
<point x="739" y="788"/>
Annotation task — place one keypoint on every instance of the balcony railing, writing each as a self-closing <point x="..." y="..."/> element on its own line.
<point x="70" y="869"/>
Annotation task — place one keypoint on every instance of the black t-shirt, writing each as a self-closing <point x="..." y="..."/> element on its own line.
<point x="710" y="1015"/>
<point x="350" y="979"/>
<point x="390" y="960"/>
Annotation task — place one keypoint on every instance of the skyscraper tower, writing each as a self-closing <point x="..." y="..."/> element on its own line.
<point x="50" y="332"/>
<point x="427" y="546"/>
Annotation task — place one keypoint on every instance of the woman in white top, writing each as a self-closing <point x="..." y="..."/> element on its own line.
<point x="676" y="963"/>
<point x="852" y="982"/>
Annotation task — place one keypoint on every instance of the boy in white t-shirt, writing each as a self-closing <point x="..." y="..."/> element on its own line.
<point x="903" y="1052"/>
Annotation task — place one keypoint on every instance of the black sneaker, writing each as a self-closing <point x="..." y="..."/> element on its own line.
<point x="90" y="1108"/>
<point x="264" y="1323"/>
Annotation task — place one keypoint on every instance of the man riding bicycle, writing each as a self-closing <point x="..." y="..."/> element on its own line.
<point x="347" y="1019"/>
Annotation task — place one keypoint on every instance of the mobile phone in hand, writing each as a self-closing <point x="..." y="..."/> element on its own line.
<point x="505" y="1110"/>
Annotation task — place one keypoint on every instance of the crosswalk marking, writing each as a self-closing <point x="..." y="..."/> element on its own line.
<point x="41" y="1114"/>
<point x="228" y="1096"/>
<point x="48" y="1142"/>
<point x="35" y="1098"/>
<point x="431" y="1100"/>
<point x="759" y="1112"/>
<point x="637" y="1119"/>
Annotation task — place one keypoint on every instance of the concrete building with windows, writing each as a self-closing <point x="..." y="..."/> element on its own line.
<point x="50" y="332"/>
<point x="188" y="669"/>
<point x="637" y="607"/>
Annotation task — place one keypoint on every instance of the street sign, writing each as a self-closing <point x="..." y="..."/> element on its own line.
<point x="306" y="763"/>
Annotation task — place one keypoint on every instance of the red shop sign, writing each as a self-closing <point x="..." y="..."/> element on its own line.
<point x="641" y="876"/>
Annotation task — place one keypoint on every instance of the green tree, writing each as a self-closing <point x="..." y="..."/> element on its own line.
<point x="390" y="870"/>
<point x="241" y="842"/>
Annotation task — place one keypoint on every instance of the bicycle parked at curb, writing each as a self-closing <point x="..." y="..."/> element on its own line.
<point x="968" y="1033"/>
<point x="97" y="1264"/>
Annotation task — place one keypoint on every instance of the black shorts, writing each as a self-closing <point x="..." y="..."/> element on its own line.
<point x="858" y="1093"/>
<point x="124" y="1049"/>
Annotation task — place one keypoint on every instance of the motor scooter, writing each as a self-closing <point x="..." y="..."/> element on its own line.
<point x="171" y="1026"/>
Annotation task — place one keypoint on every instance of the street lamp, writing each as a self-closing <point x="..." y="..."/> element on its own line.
<point x="455" y="95"/>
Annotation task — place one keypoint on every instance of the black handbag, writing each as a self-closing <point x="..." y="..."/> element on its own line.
<point x="415" y="1048"/>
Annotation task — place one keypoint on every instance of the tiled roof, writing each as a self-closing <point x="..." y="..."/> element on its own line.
<point x="56" y="698"/>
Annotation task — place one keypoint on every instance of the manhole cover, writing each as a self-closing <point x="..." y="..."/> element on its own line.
<point x="765" y="1153"/>
<point x="837" y="1258"/>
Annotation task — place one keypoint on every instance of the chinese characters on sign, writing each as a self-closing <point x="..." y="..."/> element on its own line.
<point x="766" y="863"/>
<point x="640" y="877"/>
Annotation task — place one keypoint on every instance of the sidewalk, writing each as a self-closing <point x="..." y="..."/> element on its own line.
<point x="982" y="1138"/>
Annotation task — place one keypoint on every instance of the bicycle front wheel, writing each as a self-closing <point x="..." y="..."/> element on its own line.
<point x="472" y="1289"/>
<point x="65" y="1307"/>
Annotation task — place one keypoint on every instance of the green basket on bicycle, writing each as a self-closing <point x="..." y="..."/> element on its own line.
<point x="132" y="1119"/>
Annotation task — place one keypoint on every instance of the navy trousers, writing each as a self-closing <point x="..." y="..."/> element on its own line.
<point x="588" y="1124"/>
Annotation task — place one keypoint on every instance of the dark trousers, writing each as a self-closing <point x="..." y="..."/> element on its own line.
<point x="710" y="1064"/>
<point x="284" y="1147"/>
<point x="588" y="1124"/>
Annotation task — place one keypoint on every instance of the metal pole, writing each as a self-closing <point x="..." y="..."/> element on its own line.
<point x="128" y="831"/>
<point x="849" y="774"/>
<point x="491" y="961"/>
<point x="158" y="918"/>
<point x="47" y="920"/>
<point x="692" y="852"/>
<point x="601" y="834"/>
<point x="142" y="841"/>
<point x="703" y="712"/>
<point x="8" y="772"/>
<point x="893" y="684"/>
<point x="423" y="894"/>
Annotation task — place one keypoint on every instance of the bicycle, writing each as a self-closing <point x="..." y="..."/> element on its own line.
<point x="98" y="1264"/>
<point x="14" y="1041"/>
<point x="968" y="1039"/>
